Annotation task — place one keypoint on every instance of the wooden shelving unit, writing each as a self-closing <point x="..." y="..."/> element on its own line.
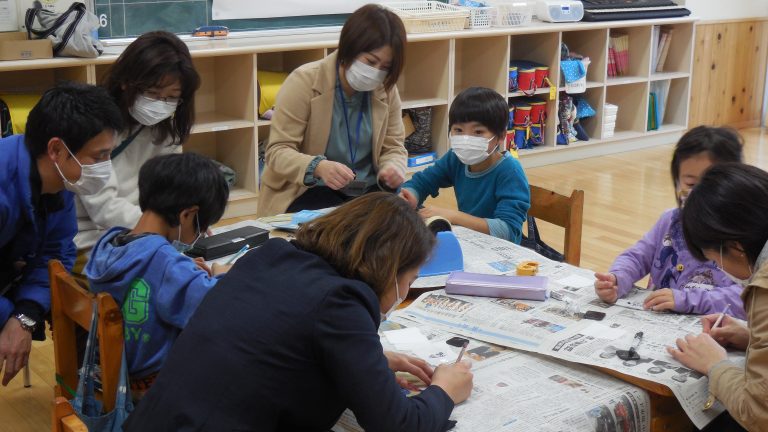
<point x="438" y="66"/>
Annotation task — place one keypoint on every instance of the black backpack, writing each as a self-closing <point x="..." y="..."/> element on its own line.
<point x="534" y="242"/>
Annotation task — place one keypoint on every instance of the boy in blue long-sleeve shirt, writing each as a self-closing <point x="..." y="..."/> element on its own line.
<point x="491" y="188"/>
<point x="69" y="136"/>
<point x="143" y="268"/>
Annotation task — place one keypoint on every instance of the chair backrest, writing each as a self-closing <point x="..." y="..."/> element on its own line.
<point x="563" y="211"/>
<point x="64" y="417"/>
<point x="72" y="306"/>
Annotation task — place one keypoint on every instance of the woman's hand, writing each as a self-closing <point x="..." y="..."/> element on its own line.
<point x="392" y="177"/>
<point x="659" y="300"/>
<point x="730" y="333"/>
<point x="335" y="175"/>
<point x="699" y="353"/>
<point x="455" y="379"/>
<point x="408" y="196"/>
<point x="606" y="287"/>
<point x="415" y="366"/>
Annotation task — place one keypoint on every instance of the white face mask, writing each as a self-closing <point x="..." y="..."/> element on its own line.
<point x="471" y="149"/>
<point x="394" y="306"/>
<point x="742" y="282"/>
<point x="93" y="177"/>
<point x="362" y="77"/>
<point x="150" y="112"/>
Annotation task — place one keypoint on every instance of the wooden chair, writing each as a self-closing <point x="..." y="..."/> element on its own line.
<point x="72" y="305"/>
<point x="563" y="211"/>
<point x="64" y="417"/>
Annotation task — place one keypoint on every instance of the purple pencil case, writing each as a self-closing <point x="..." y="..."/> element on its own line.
<point x="485" y="285"/>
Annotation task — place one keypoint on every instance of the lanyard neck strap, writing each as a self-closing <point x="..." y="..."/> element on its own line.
<point x="352" y="148"/>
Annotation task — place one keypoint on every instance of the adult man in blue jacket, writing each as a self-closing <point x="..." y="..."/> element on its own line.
<point x="70" y="134"/>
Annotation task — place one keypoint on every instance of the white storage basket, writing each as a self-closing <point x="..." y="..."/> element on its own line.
<point x="510" y="14"/>
<point x="481" y="17"/>
<point x="429" y="16"/>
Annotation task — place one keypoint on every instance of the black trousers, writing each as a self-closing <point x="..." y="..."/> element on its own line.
<point x="724" y="423"/>
<point x="320" y="197"/>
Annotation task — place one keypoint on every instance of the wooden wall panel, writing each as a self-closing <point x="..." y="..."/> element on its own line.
<point x="729" y="68"/>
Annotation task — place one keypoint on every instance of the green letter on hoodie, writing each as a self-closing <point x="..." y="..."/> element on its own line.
<point x="136" y="304"/>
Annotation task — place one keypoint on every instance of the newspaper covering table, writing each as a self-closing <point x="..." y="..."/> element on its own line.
<point x="519" y="391"/>
<point x="552" y="327"/>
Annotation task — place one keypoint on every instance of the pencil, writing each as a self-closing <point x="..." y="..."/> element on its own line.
<point x="722" y="314"/>
<point x="461" y="354"/>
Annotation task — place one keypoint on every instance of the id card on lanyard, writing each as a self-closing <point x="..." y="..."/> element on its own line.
<point x="355" y="187"/>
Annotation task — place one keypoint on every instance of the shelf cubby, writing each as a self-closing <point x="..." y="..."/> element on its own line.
<point x="39" y="80"/>
<point x="541" y="48"/>
<point x="551" y="121"/>
<point x="424" y="80"/>
<point x="678" y="59"/>
<point x="639" y="55"/>
<point x="676" y="112"/>
<point x="225" y="99"/>
<point x="632" y="100"/>
<point x="593" y="125"/>
<point x="592" y="44"/>
<point x="481" y="62"/>
<point x="237" y="150"/>
<point x="287" y="61"/>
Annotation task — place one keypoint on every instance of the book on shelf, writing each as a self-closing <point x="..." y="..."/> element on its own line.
<point x="620" y="44"/>
<point x="653" y="112"/>
<point x="666" y="41"/>
<point x="655" y="37"/>
<point x="661" y="90"/>
<point x="611" y="62"/>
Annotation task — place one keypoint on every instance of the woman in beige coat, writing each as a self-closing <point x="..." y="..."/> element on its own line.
<point x="724" y="220"/>
<point x="337" y="130"/>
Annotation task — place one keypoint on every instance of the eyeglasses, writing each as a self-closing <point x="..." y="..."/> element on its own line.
<point x="173" y="101"/>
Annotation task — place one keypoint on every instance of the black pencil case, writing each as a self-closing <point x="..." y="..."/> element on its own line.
<point x="228" y="243"/>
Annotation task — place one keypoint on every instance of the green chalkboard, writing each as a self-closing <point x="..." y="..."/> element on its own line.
<point x="126" y="18"/>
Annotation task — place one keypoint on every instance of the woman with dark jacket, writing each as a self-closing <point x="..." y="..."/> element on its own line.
<point x="288" y="340"/>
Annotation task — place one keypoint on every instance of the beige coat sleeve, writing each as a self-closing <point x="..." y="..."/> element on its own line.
<point x="744" y="392"/>
<point x="284" y="153"/>
<point x="393" y="151"/>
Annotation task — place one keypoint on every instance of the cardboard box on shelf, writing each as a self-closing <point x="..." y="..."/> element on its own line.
<point x="16" y="46"/>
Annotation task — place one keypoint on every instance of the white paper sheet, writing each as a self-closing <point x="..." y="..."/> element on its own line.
<point x="598" y="330"/>
<point x="405" y="336"/>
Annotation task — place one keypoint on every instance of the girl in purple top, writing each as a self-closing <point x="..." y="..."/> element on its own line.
<point x="678" y="281"/>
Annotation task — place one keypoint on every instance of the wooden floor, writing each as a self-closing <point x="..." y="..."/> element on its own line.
<point x="624" y="196"/>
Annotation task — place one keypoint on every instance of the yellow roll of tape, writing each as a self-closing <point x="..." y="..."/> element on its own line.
<point x="527" y="268"/>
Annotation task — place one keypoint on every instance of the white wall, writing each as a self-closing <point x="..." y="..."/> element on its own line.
<point x="710" y="10"/>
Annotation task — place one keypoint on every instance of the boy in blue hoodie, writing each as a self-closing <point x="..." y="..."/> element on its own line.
<point x="69" y="136"/>
<point x="491" y="188"/>
<point x="144" y="269"/>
